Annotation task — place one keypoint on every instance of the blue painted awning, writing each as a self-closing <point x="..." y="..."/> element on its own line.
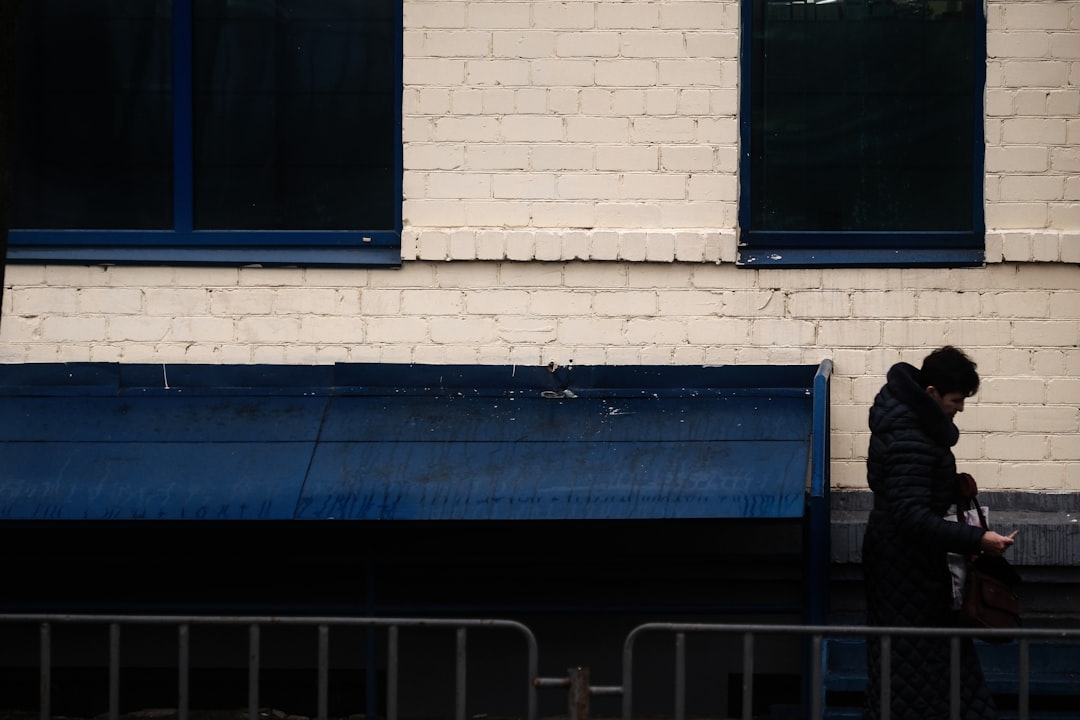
<point x="115" y="442"/>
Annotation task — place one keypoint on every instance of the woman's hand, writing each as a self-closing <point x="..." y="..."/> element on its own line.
<point x="994" y="544"/>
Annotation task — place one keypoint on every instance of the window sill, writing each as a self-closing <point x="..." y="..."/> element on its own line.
<point x="857" y="257"/>
<point x="211" y="248"/>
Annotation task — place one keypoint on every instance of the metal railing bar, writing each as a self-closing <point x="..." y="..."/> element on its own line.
<point x="1024" y="661"/>
<point x="886" y="677"/>
<point x="392" y="655"/>
<point x="324" y="671"/>
<point x="856" y="630"/>
<point x="627" y="675"/>
<point x="184" y="670"/>
<point x="577" y="697"/>
<point x="815" y="673"/>
<point x="605" y="689"/>
<point x="954" y="678"/>
<point x="309" y="620"/>
<point x="45" y="671"/>
<point x="748" y="676"/>
<point x="680" y="676"/>
<point x="114" y="671"/>
<point x="533" y="661"/>
<point x="254" y="659"/>
<point x="459" y="675"/>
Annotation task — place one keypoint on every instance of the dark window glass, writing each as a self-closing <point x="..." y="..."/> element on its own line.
<point x="293" y="104"/>
<point x="94" y="116"/>
<point x="865" y="117"/>
<point x="213" y="127"/>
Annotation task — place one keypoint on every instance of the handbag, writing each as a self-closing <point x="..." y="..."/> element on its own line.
<point x="990" y="598"/>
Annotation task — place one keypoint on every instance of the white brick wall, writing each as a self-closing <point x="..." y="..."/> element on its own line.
<point x="623" y="115"/>
<point x="1032" y="104"/>
<point x="579" y="159"/>
<point x="608" y="115"/>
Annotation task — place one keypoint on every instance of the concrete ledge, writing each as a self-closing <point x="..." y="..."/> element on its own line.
<point x="1049" y="525"/>
<point x="687" y="245"/>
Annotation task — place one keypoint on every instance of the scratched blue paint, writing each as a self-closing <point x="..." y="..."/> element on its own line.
<point x="546" y="481"/>
<point x="168" y="419"/>
<point x="401" y="442"/>
<point x="151" y="481"/>
<point x="581" y="420"/>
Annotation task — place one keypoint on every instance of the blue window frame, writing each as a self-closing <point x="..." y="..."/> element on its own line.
<point x="862" y="132"/>
<point x="208" y="132"/>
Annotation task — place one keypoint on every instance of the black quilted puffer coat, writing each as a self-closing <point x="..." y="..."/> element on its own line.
<point x="912" y="472"/>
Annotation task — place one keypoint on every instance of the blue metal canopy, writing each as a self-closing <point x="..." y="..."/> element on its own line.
<point x="115" y="442"/>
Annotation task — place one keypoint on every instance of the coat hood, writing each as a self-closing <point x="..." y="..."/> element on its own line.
<point x="903" y="403"/>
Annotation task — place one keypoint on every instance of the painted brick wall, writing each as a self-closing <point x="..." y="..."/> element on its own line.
<point x="1033" y="128"/>
<point x="524" y="120"/>
<point x="571" y="195"/>
<point x="527" y="119"/>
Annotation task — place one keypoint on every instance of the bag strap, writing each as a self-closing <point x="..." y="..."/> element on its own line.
<point x="973" y="503"/>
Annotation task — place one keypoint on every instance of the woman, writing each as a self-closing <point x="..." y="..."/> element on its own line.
<point x="912" y="473"/>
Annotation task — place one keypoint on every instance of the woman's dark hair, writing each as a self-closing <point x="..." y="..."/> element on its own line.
<point x="949" y="370"/>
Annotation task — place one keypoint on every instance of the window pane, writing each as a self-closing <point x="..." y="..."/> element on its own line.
<point x="94" y="115"/>
<point x="863" y="115"/>
<point x="294" y="114"/>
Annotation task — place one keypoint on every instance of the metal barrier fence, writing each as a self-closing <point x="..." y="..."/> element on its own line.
<point x="322" y="625"/>
<point x="576" y="683"/>
<point x="817" y="634"/>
